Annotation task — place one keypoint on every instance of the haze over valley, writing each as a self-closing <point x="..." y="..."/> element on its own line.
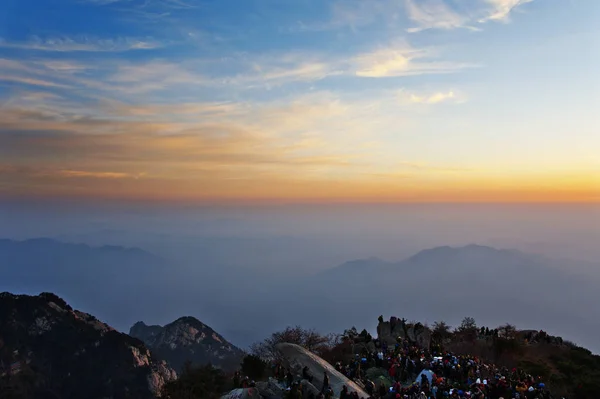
<point x="249" y="271"/>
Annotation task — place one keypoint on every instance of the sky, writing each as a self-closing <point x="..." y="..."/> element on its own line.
<point x="306" y="100"/>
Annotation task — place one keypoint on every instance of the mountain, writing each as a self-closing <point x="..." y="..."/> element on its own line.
<point x="44" y="261"/>
<point x="359" y="265"/>
<point x="441" y="283"/>
<point x="449" y="283"/>
<point x="186" y="339"/>
<point x="50" y="350"/>
<point x="83" y="275"/>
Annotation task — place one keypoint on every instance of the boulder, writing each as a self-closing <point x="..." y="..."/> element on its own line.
<point x="297" y="357"/>
<point x="389" y="332"/>
<point x="308" y="388"/>
<point x="270" y="389"/>
<point x="368" y="347"/>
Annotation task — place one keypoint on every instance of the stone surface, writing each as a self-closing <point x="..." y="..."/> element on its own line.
<point x="270" y="389"/>
<point x="308" y="388"/>
<point x="389" y="331"/>
<point x="297" y="357"/>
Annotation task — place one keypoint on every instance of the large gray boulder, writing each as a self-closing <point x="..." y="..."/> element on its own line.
<point x="297" y="358"/>
<point x="308" y="388"/>
<point x="389" y="331"/>
<point x="270" y="389"/>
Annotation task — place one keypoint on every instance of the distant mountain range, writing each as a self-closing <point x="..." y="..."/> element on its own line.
<point x="448" y="283"/>
<point x="443" y="283"/>
<point x="188" y="339"/>
<point x="47" y="262"/>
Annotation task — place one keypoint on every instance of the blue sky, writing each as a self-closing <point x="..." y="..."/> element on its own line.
<point x="393" y="99"/>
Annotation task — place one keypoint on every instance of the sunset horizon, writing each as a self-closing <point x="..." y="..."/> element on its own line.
<point x="349" y="101"/>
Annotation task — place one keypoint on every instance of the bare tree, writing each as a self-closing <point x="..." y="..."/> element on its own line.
<point x="507" y="331"/>
<point x="306" y="338"/>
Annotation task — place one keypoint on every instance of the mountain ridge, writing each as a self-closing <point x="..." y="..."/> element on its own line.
<point x="188" y="339"/>
<point x="433" y="253"/>
<point x="73" y="352"/>
<point x="52" y="243"/>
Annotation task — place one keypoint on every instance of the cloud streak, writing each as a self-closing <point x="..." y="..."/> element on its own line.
<point x="30" y="81"/>
<point x="83" y="44"/>
<point x="439" y="14"/>
<point x="434" y="14"/>
<point x="431" y="98"/>
<point x="501" y="9"/>
<point x="403" y="60"/>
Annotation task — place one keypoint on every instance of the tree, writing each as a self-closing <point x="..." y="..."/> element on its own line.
<point x="468" y="324"/>
<point x="306" y="338"/>
<point x="253" y="367"/>
<point x="507" y="331"/>
<point x="468" y="328"/>
<point x="350" y="334"/>
<point x="441" y="330"/>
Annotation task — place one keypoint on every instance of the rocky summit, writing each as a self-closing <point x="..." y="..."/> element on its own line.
<point x="188" y="339"/>
<point x="50" y="350"/>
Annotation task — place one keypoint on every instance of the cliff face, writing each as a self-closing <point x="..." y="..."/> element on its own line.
<point x="48" y="349"/>
<point x="188" y="339"/>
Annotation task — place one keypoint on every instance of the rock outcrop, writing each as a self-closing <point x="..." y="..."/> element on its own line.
<point x="188" y="339"/>
<point x="270" y="389"/>
<point x="296" y="358"/>
<point x="390" y="331"/>
<point x="47" y="348"/>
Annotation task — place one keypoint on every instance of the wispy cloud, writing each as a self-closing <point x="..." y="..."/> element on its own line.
<point x="30" y="81"/>
<point x="403" y="60"/>
<point x="434" y="98"/>
<point x="501" y="9"/>
<point x="83" y="44"/>
<point x="353" y="14"/>
<point x="48" y="172"/>
<point x="214" y="138"/>
<point x="426" y="167"/>
<point x="439" y="14"/>
<point x="96" y="175"/>
<point x="430" y="14"/>
<point x="282" y="68"/>
<point x="406" y="97"/>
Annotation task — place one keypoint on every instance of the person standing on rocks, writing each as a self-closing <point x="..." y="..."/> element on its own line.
<point x="325" y="382"/>
<point x="344" y="394"/>
<point x="306" y="374"/>
<point x="289" y="377"/>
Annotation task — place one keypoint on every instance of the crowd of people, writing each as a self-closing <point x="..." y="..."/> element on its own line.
<point x="420" y="373"/>
<point x="407" y="371"/>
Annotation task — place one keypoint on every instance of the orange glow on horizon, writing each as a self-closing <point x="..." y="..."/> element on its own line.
<point x="277" y="189"/>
